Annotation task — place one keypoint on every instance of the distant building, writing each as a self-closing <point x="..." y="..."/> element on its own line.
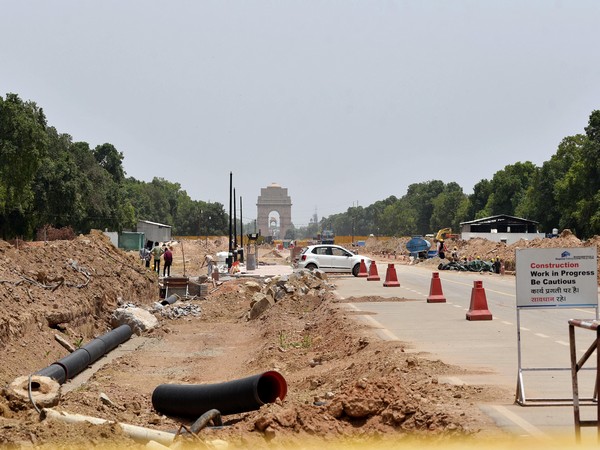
<point x="501" y="228"/>
<point x="155" y="232"/>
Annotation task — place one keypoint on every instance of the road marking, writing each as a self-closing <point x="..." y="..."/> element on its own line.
<point x="381" y="330"/>
<point x="457" y="306"/>
<point x="541" y="335"/>
<point x="520" y="422"/>
<point x="562" y="343"/>
<point x="470" y="284"/>
<point x="590" y="311"/>
<point x="506" y="323"/>
<point x="525" y="329"/>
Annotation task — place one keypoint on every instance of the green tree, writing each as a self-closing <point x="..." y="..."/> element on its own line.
<point x="420" y="198"/>
<point x="217" y="219"/>
<point x="23" y="142"/>
<point x="100" y="196"/>
<point x="57" y="185"/>
<point x="111" y="160"/>
<point x="374" y="215"/>
<point x="137" y="194"/>
<point x="508" y="188"/>
<point x="541" y="202"/>
<point x="578" y="192"/>
<point x="399" y="219"/>
<point x="478" y="200"/>
<point x="447" y="206"/>
<point x="188" y="220"/>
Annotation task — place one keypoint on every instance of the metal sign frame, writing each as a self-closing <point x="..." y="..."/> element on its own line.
<point x="545" y="271"/>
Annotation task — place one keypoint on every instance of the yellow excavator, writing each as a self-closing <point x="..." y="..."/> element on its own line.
<point x="441" y="236"/>
<point x="445" y="233"/>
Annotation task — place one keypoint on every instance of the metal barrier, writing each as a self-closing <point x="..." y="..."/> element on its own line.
<point x="576" y="366"/>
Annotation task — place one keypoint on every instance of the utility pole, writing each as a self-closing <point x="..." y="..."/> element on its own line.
<point x="229" y="256"/>
<point x="241" y="230"/>
<point x="353" y="220"/>
<point x="234" y="223"/>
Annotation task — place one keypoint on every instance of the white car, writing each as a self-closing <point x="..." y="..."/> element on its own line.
<point x="331" y="258"/>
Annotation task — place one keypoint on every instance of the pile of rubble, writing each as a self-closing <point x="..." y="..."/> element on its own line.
<point x="262" y="295"/>
<point x="177" y="311"/>
<point x="273" y="290"/>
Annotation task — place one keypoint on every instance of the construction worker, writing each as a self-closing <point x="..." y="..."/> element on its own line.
<point x="441" y="249"/>
<point x="497" y="265"/>
<point x="209" y="263"/>
<point x="455" y="254"/>
<point x="156" y="254"/>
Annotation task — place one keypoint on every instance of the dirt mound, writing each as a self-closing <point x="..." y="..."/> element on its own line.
<point x="484" y="249"/>
<point x="386" y="247"/>
<point x="62" y="287"/>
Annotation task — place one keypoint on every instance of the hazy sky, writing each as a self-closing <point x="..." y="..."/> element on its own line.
<point x="341" y="101"/>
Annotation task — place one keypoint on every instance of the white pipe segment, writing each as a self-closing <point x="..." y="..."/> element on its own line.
<point x="135" y="432"/>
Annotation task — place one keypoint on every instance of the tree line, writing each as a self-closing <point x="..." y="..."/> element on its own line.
<point x="46" y="179"/>
<point x="563" y="193"/>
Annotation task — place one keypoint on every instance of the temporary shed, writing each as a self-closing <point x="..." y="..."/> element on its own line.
<point x="155" y="232"/>
<point x="501" y="228"/>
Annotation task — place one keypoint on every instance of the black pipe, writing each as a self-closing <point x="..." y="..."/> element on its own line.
<point x="76" y="362"/>
<point x="114" y="338"/>
<point x="54" y="371"/>
<point x="231" y="397"/>
<point x="96" y="349"/>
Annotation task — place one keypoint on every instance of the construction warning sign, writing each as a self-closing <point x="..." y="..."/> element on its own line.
<point x="562" y="277"/>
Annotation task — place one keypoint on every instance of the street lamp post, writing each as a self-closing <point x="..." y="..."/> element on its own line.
<point x="207" y="225"/>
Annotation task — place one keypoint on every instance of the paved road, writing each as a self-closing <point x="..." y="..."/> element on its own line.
<point x="489" y="348"/>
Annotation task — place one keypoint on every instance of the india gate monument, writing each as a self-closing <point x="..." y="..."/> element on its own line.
<point x="274" y="215"/>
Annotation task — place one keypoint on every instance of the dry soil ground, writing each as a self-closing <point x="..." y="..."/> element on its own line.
<point x="343" y="383"/>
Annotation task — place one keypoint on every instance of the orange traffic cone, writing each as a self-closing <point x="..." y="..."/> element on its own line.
<point x="435" y="290"/>
<point x="363" y="269"/>
<point x="391" y="279"/>
<point x="373" y="275"/>
<point x="479" y="308"/>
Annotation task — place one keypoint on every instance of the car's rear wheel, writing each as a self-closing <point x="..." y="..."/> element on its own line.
<point x="311" y="266"/>
<point x="356" y="269"/>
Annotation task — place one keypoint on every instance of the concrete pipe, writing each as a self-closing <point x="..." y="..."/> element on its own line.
<point x="231" y="397"/>
<point x="170" y="300"/>
<point x="45" y="391"/>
